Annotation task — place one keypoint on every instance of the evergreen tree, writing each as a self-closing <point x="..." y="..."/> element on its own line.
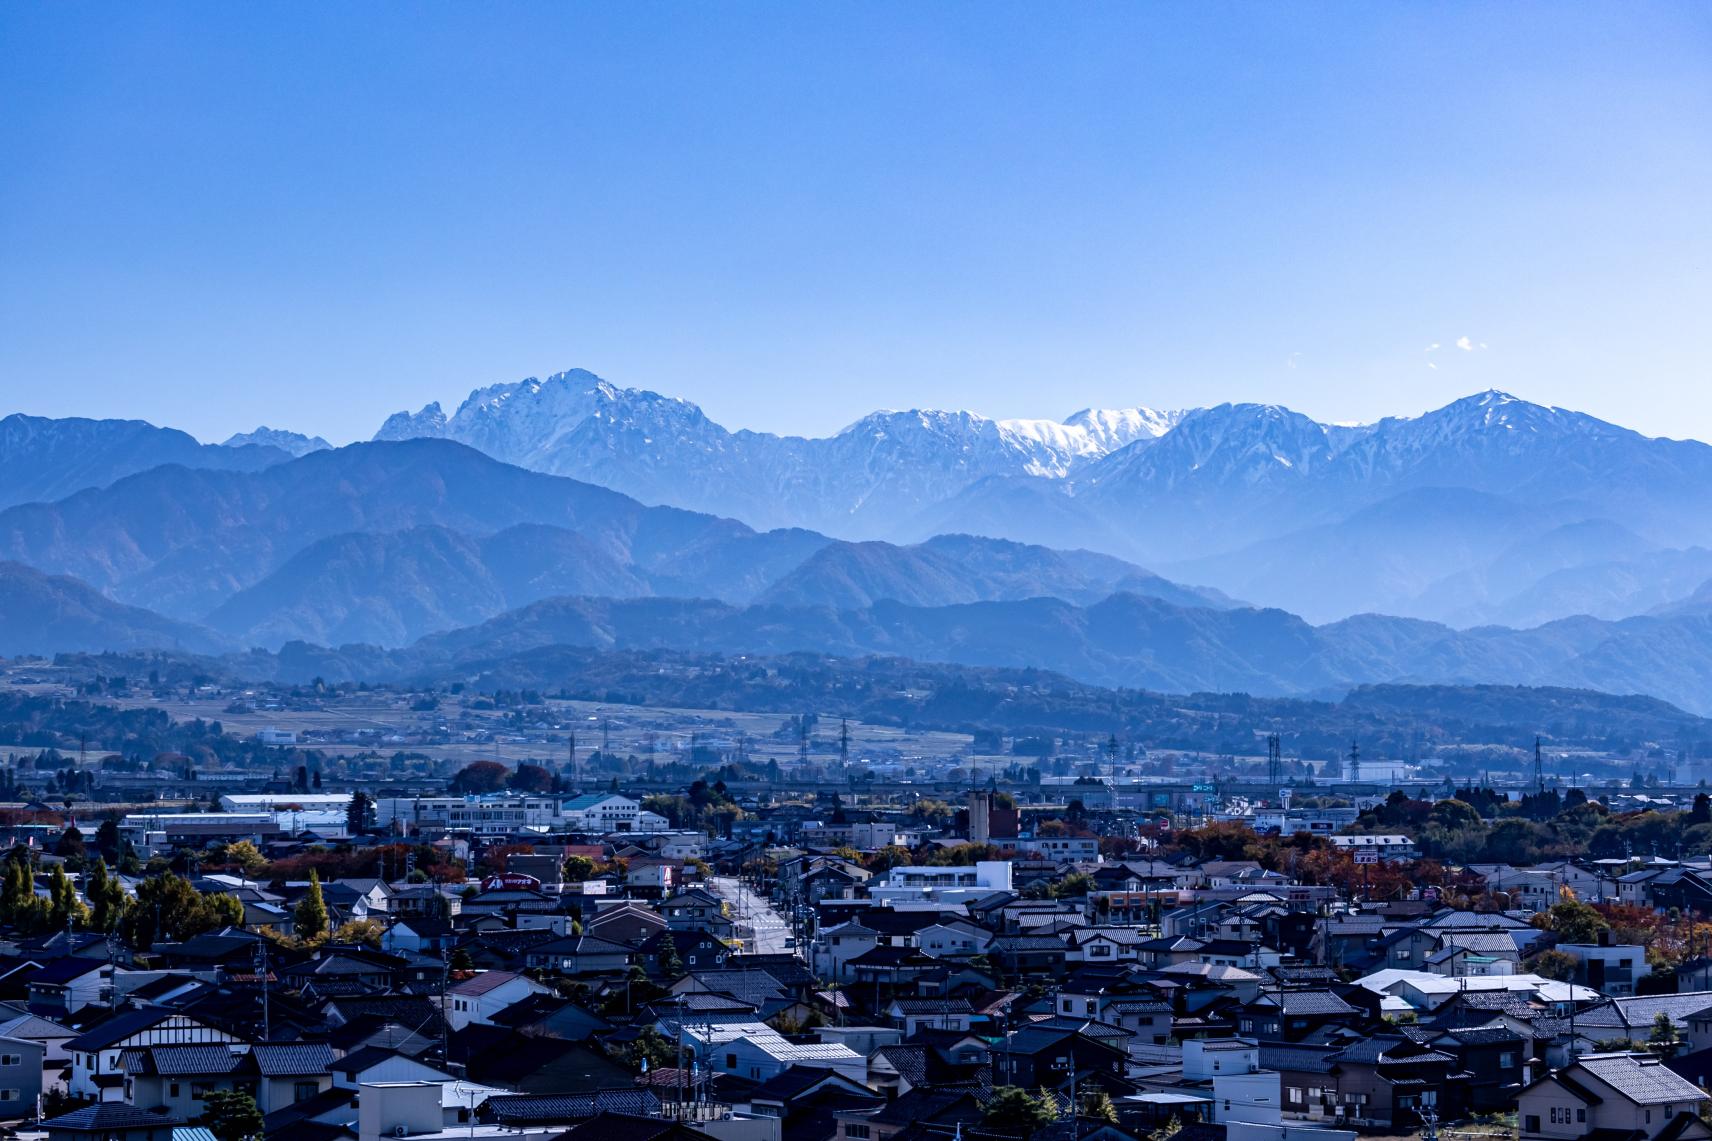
<point x="64" y="907"/>
<point x="360" y="815"/>
<point x="310" y="915"/>
<point x="1015" y="1111"/>
<point x="20" y="906"/>
<point x="232" y="1115"/>
<point x="671" y="964"/>
<point x="107" y="899"/>
<point x="70" y="845"/>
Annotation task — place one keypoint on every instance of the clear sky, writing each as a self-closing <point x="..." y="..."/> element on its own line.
<point x="310" y="215"/>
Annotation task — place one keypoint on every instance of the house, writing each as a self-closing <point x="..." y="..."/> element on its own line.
<point x="417" y="935"/>
<point x="1376" y="847"/>
<point x="803" y="1099"/>
<point x="1292" y="1015"/>
<point x="52" y="1037"/>
<point x="756" y="1051"/>
<point x="696" y="909"/>
<point x="479" y="998"/>
<point x="20" y="1077"/>
<point x="935" y="1013"/>
<point x="578" y="955"/>
<point x="97" y="1070"/>
<point x="1036" y="1056"/>
<point x="1611" y="969"/>
<point x="62" y="987"/>
<point x="176" y="1079"/>
<point x="1612" y="1095"/>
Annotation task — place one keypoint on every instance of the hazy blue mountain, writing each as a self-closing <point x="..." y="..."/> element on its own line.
<point x="44" y="614"/>
<point x="964" y="568"/>
<point x="1123" y="641"/>
<point x="184" y="541"/>
<point x="1167" y="490"/>
<point x="292" y="443"/>
<point x="386" y="542"/>
<point x="391" y="588"/>
<point x="1696" y="601"/>
<point x="44" y="459"/>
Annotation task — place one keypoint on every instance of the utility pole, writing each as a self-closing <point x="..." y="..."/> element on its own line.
<point x="267" y="1021"/>
<point x="571" y="759"/>
<point x="445" y="985"/>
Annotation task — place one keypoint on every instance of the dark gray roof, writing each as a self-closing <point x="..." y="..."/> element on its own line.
<point x="110" y="1115"/>
<point x="290" y="1058"/>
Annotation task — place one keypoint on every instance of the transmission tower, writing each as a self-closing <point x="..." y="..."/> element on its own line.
<point x="1539" y="769"/>
<point x="1274" y="759"/>
<point x="1354" y="761"/>
<point x="844" y="742"/>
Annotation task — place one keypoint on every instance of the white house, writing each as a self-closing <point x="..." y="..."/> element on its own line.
<point x="480" y="997"/>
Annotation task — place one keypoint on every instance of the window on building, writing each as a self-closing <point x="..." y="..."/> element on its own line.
<point x="1581" y="1115"/>
<point x="857" y="1132"/>
<point x="9" y="1059"/>
<point x="1531" y="1123"/>
<point x="8" y="1095"/>
<point x="172" y="1090"/>
<point x="303" y="1091"/>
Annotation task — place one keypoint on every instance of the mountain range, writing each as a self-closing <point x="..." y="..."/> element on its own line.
<point x="1431" y="516"/>
<point x="1491" y="541"/>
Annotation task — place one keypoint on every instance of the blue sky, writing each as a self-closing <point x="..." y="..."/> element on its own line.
<point x="219" y="215"/>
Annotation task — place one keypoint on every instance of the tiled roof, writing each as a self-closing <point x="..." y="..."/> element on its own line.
<point x="527" y="1109"/>
<point x="1641" y="1011"/>
<point x="1642" y="1078"/>
<point x="110" y="1115"/>
<point x="483" y="983"/>
<point x="291" y="1058"/>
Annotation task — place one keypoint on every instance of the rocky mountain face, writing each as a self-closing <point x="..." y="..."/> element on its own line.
<point x="1428" y="515"/>
<point x="886" y="467"/>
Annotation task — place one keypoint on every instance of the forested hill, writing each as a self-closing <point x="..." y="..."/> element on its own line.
<point x="1392" y="720"/>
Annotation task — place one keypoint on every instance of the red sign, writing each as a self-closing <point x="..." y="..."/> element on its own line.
<point x="511" y="881"/>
